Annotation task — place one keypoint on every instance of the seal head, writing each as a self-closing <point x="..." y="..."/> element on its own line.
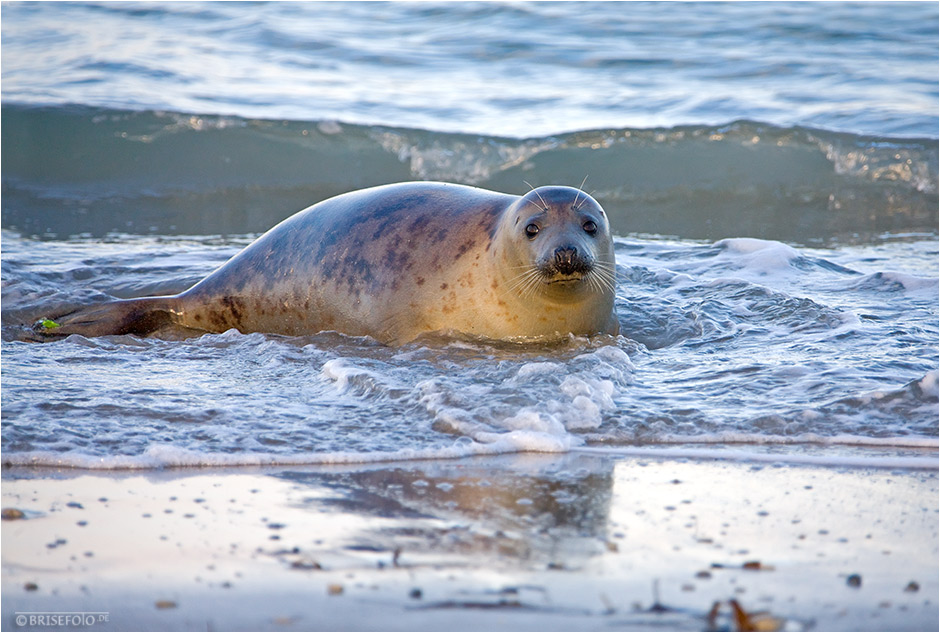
<point x="559" y="246"/>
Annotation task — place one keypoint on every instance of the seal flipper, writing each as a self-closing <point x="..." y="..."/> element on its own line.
<point x="123" y="316"/>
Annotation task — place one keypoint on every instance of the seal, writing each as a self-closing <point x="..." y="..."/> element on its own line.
<point x="397" y="261"/>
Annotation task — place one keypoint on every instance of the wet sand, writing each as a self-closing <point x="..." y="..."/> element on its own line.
<point x="523" y="542"/>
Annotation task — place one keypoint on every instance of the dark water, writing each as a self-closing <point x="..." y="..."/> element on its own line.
<point x="770" y="171"/>
<point x="81" y="171"/>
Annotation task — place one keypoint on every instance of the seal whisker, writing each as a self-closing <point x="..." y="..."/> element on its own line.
<point x="594" y="285"/>
<point x="586" y="197"/>
<point x="601" y="283"/>
<point x="517" y="279"/>
<point x="541" y="199"/>
<point x="532" y="284"/>
<point x="525" y="282"/>
<point x="592" y="282"/>
<point x="532" y="202"/>
<point x="606" y="283"/>
<point x="528" y="285"/>
<point x="606" y="267"/>
<point x="528" y="288"/>
<point x="522" y="267"/>
<point x="603" y="278"/>
<point x="574" y="205"/>
<point x="589" y="195"/>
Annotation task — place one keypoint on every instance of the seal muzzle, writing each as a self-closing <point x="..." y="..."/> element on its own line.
<point x="568" y="261"/>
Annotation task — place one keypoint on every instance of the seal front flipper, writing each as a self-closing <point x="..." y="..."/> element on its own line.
<point x="123" y="316"/>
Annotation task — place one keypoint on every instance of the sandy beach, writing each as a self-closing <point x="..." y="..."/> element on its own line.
<point x="522" y="542"/>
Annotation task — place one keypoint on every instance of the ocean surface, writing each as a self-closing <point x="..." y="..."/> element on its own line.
<point x="770" y="171"/>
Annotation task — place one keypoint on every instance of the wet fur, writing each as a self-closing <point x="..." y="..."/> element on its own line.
<point x="394" y="262"/>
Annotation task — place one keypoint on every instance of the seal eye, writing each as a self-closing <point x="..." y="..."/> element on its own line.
<point x="531" y="230"/>
<point x="589" y="227"/>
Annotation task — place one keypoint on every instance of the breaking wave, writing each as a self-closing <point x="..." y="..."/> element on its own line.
<point x="76" y="170"/>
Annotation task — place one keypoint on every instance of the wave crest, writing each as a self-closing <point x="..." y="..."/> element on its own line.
<point x="73" y="170"/>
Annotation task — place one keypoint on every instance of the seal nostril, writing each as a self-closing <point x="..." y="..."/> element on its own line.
<point x="566" y="259"/>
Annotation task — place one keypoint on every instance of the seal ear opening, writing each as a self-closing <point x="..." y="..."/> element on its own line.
<point x="139" y="317"/>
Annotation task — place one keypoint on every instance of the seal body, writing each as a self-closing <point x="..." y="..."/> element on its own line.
<point x="396" y="261"/>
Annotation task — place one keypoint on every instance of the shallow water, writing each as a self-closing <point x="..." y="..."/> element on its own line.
<point x="777" y="231"/>
<point x="738" y="341"/>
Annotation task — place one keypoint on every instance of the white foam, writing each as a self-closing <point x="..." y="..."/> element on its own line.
<point x="526" y="442"/>
<point x="538" y="369"/>
<point x="928" y="384"/>
<point x="523" y="440"/>
<point x="749" y="245"/>
<point x="613" y="355"/>
<point x="348" y="377"/>
<point x="337" y="371"/>
<point x="589" y="415"/>
<point x="532" y="420"/>
<point x="758" y="256"/>
<point x="911" y="282"/>
<point x="160" y="457"/>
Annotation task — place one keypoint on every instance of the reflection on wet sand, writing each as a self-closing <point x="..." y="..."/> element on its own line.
<point x="549" y="513"/>
<point x="516" y="542"/>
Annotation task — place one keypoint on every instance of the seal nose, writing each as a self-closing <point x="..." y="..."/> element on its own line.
<point x="567" y="260"/>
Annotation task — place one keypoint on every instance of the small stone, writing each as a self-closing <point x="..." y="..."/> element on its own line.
<point x="854" y="580"/>
<point x="165" y="604"/>
<point x="30" y="586"/>
<point x="912" y="587"/>
<point x="334" y="590"/>
<point x="305" y="564"/>
<point x="415" y="594"/>
<point x="12" y="514"/>
<point x="756" y="565"/>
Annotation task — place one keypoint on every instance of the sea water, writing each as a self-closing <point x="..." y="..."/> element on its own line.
<point x="770" y="171"/>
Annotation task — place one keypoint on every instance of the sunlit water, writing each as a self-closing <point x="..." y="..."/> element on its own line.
<point x="742" y="341"/>
<point x="519" y="69"/>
